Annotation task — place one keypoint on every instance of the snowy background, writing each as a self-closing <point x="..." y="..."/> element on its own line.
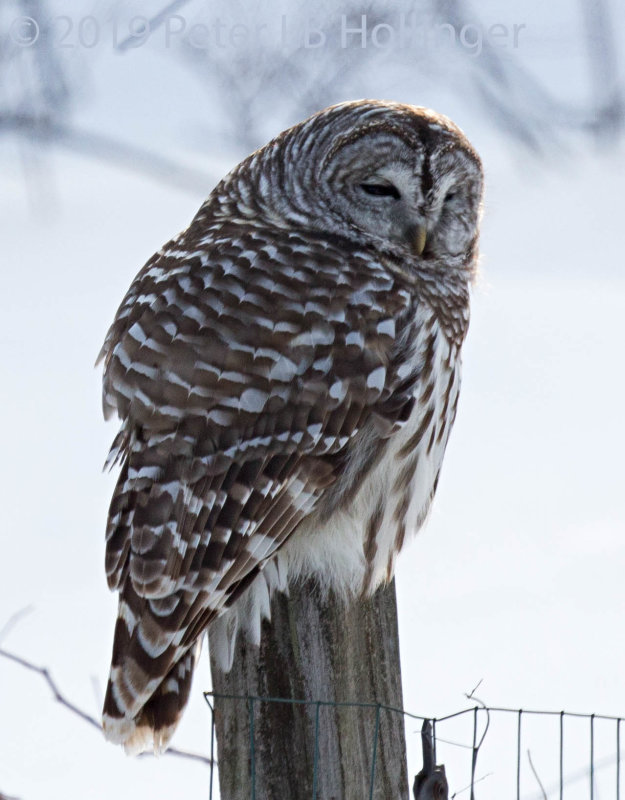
<point x="109" y="144"/>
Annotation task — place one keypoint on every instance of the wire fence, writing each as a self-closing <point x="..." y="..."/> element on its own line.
<point x="488" y="751"/>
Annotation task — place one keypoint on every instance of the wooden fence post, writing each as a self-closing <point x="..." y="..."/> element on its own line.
<point x="315" y="648"/>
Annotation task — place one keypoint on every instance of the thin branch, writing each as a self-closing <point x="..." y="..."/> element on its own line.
<point x="154" y="23"/>
<point x="45" y="674"/>
<point x="578" y="775"/>
<point x="13" y="620"/>
<point x="454" y="744"/>
<point x="474" y="689"/>
<point x="533" y="768"/>
<point x="97" y="691"/>
<point x="471" y="785"/>
<point x="173" y="751"/>
<point x="60" y="698"/>
<point x="44" y="130"/>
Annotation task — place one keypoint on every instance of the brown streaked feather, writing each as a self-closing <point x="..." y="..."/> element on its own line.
<point x="206" y="493"/>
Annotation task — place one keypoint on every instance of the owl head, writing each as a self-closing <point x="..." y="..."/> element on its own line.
<point x="399" y="178"/>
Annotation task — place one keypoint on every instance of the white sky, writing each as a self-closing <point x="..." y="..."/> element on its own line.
<point x="517" y="580"/>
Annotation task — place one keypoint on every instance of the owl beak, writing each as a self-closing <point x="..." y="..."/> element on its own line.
<point x="418" y="242"/>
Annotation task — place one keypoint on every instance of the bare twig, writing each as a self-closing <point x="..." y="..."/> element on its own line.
<point x="474" y="689"/>
<point x="471" y="785"/>
<point x="45" y="674"/>
<point x="154" y="23"/>
<point x="97" y="691"/>
<point x="12" y="622"/>
<point x="533" y="768"/>
<point x="60" y="698"/>
<point x="454" y="744"/>
<point x="575" y="777"/>
<point x="46" y="131"/>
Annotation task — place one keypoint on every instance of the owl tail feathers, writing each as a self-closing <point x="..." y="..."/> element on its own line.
<point x="153" y="724"/>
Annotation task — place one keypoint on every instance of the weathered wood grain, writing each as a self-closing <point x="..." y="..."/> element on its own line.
<point x="316" y="648"/>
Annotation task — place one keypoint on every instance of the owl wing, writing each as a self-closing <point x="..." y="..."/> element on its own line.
<point x="241" y="380"/>
<point x="243" y="373"/>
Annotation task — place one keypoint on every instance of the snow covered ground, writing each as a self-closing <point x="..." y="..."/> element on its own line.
<point x="517" y="580"/>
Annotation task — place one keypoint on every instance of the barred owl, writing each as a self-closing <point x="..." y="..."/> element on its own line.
<point x="286" y="372"/>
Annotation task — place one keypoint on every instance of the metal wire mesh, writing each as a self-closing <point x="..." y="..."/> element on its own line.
<point x="491" y="751"/>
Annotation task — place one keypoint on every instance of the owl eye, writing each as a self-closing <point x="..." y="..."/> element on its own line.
<point x="450" y="196"/>
<point x="381" y="190"/>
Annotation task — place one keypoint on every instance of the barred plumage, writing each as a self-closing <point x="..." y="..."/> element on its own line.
<point x="286" y="372"/>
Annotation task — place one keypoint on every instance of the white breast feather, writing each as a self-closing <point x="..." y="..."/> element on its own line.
<point x="333" y="551"/>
